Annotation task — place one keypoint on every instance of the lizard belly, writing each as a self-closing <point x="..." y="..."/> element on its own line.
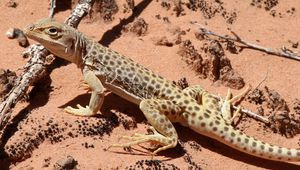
<point x="123" y="93"/>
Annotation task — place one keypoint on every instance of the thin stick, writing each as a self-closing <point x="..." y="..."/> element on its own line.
<point x="284" y="52"/>
<point x="248" y="112"/>
<point x="260" y="83"/>
<point x="35" y="67"/>
<point x="254" y="115"/>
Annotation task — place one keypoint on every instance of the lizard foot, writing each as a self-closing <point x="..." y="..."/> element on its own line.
<point x="81" y="111"/>
<point x="226" y="104"/>
<point x="139" y="138"/>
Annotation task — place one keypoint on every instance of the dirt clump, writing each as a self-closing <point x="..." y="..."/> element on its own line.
<point x="127" y="122"/>
<point x="285" y="124"/>
<point x="106" y="8"/>
<point x="231" y="78"/>
<point x="191" y="163"/>
<point x="271" y="7"/>
<point x="210" y="9"/>
<point x="177" y="7"/>
<point x="266" y="4"/>
<point x="139" y="27"/>
<point x="11" y="4"/>
<point x="192" y="57"/>
<point x="274" y="101"/>
<point x="7" y="81"/>
<point x="128" y="6"/>
<point x="296" y="106"/>
<point x="173" y="37"/>
<point x="151" y="164"/>
<point x="256" y="96"/>
<point x="48" y="129"/>
<point x="282" y="120"/>
<point x="213" y="64"/>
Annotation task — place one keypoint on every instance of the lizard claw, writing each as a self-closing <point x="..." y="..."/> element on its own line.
<point x="86" y="87"/>
<point x="81" y="111"/>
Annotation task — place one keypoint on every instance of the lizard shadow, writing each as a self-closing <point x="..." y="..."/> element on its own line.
<point x="112" y="34"/>
<point x="186" y="134"/>
<point x="111" y="102"/>
<point x="114" y="102"/>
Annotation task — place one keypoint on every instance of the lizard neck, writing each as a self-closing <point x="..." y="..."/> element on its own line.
<point x="81" y="46"/>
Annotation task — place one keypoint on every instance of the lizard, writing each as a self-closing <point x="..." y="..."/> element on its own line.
<point x="161" y="101"/>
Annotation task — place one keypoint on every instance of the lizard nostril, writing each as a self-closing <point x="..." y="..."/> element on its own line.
<point x="30" y="27"/>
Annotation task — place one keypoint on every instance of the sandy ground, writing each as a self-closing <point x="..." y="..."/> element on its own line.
<point x="85" y="139"/>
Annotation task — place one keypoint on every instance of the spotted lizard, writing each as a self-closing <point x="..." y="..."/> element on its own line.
<point x="162" y="102"/>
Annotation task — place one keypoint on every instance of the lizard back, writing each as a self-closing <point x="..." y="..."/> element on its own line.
<point x="123" y="72"/>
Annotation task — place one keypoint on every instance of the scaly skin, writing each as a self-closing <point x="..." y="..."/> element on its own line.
<point x="160" y="100"/>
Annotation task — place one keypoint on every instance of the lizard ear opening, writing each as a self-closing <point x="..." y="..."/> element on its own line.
<point x="69" y="47"/>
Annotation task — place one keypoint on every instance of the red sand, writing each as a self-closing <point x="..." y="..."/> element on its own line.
<point x="252" y="24"/>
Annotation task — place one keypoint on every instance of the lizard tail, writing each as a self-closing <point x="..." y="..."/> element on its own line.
<point x="226" y="134"/>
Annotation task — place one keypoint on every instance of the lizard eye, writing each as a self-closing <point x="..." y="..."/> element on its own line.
<point x="52" y="31"/>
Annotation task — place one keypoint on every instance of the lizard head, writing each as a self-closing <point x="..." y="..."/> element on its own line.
<point x="60" y="39"/>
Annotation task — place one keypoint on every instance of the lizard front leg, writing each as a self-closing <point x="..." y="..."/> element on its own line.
<point x="226" y="104"/>
<point x="96" y="99"/>
<point x="156" y="112"/>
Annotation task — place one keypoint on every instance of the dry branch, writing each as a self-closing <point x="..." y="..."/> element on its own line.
<point x="36" y="66"/>
<point x="254" y="115"/>
<point x="283" y="52"/>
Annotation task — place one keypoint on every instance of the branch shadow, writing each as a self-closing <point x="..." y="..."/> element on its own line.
<point x="112" y="34"/>
<point x="62" y="5"/>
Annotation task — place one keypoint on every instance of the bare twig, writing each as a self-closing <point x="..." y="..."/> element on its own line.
<point x="260" y="83"/>
<point x="35" y="67"/>
<point x="52" y="8"/>
<point x="33" y="70"/>
<point x="248" y="112"/>
<point x="284" y="52"/>
<point x="254" y="115"/>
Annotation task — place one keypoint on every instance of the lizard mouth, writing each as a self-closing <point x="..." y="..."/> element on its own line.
<point x="29" y="32"/>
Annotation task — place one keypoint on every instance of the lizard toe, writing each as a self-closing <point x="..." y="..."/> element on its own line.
<point x="81" y="111"/>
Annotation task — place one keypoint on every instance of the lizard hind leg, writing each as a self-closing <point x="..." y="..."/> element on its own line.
<point x="164" y="132"/>
<point x="195" y="92"/>
<point x="214" y="102"/>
